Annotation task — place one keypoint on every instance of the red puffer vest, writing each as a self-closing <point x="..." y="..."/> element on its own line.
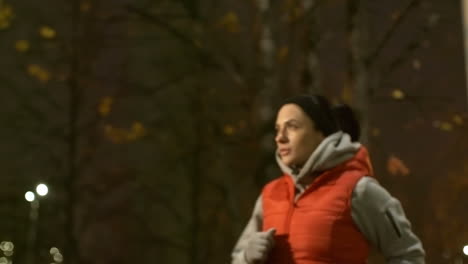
<point x="318" y="227"/>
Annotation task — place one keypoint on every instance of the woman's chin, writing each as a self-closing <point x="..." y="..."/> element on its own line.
<point x="288" y="162"/>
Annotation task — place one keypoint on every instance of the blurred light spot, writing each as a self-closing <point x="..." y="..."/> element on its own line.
<point x="29" y="196"/>
<point x="266" y="113"/>
<point x="58" y="257"/>
<point x="416" y="64"/>
<point x="7" y="246"/>
<point x="42" y="189"/>
<point x="433" y="19"/>
<point x="266" y="43"/>
<point x="263" y="5"/>
<point x="308" y="3"/>
<point x="54" y="250"/>
<point x="3" y="260"/>
<point x="465" y="250"/>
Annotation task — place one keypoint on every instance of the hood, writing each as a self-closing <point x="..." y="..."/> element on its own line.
<point x="332" y="151"/>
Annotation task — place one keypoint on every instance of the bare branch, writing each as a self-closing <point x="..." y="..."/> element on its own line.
<point x="415" y="44"/>
<point x="388" y="35"/>
<point x="160" y="22"/>
<point x="208" y="59"/>
<point x="160" y="240"/>
<point x="163" y="241"/>
<point x="160" y="199"/>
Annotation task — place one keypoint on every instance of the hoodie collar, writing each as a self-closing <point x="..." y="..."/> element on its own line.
<point x="332" y="151"/>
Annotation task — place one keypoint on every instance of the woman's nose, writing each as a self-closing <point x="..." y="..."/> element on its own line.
<point x="281" y="137"/>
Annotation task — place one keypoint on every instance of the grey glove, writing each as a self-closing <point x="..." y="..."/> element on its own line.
<point x="259" y="246"/>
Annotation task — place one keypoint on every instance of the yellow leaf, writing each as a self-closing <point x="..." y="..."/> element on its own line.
<point x="446" y="126"/>
<point x="4" y="24"/>
<point x="229" y="130"/>
<point x="6" y="15"/>
<point x="398" y="94"/>
<point x="47" y="32"/>
<point x="107" y="129"/>
<point x="375" y="132"/>
<point x="115" y="135"/>
<point x="105" y="106"/>
<point x="457" y="119"/>
<point x="33" y="69"/>
<point x="22" y="45"/>
<point x="5" y="10"/>
<point x="396" y="166"/>
<point x="416" y="64"/>
<point x="282" y="53"/>
<point x="230" y="22"/>
<point x="198" y="43"/>
<point x="37" y="71"/>
<point x="85" y="6"/>
<point x="43" y="76"/>
<point x="395" y="15"/>
<point x="295" y="14"/>
<point x="138" y="130"/>
<point x="242" y="124"/>
<point x="347" y="94"/>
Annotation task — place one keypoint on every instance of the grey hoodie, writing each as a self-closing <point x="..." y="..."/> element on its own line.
<point x="378" y="215"/>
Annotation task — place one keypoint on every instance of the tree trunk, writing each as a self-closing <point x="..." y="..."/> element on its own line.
<point x="358" y="71"/>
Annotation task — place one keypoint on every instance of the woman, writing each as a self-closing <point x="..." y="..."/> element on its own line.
<point x="326" y="208"/>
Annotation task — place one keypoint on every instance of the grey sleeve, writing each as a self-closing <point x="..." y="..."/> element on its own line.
<point x="254" y="225"/>
<point x="380" y="217"/>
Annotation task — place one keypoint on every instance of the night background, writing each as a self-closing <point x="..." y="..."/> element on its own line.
<point x="152" y="122"/>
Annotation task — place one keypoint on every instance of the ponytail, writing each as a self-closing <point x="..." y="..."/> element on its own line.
<point x="347" y="121"/>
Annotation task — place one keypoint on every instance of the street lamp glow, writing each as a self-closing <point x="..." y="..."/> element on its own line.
<point x="29" y="196"/>
<point x="465" y="250"/>
<point x="42" y="189"/>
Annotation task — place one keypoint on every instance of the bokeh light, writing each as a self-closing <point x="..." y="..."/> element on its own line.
<point x="29" y="196"/>
<point x="42" y="189"/>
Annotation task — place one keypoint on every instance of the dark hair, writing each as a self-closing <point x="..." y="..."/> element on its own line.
<point x="328" y="119"/>
<point x="347" y="120"/>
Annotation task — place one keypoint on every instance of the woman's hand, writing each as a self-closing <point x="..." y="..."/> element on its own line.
<point x="260" y="244"/>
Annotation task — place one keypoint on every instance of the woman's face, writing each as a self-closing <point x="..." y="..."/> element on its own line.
<point x="296" y="136"/>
